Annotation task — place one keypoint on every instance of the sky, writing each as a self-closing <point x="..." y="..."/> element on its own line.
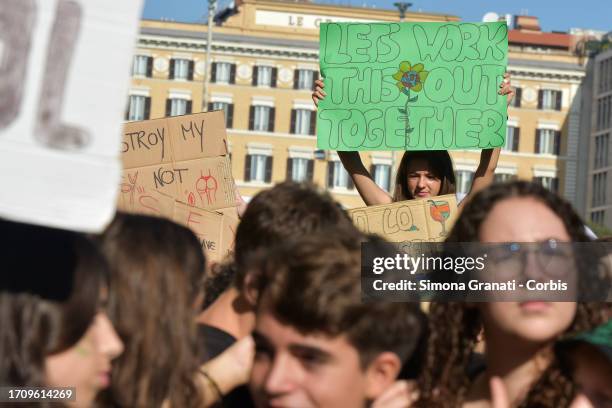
<point x="555" y="15"/>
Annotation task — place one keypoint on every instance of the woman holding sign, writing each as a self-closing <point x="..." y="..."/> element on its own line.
<point x="421" y="174"/>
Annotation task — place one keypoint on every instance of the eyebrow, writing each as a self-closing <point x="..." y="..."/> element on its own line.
<point x="298" y="348"/>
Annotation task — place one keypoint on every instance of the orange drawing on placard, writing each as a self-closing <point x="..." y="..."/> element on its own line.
<point x="440" y="212"/>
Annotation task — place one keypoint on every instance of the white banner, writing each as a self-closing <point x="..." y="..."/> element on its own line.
<point x="64" y="74"/>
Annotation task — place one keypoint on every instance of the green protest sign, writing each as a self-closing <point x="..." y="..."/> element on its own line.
<point x="412" y="86"/>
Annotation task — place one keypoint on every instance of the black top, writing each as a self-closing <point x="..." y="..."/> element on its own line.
<point x="215" y="342"/>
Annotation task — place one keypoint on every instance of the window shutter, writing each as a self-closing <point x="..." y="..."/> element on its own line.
<point x="149" y="67"/>
<point x="213" y="72"/>
<point x="296" y="77"/>
<point x="313" y="123"/>
<point x="292" y="125"/>
<point x="127" y="109"/>
<point x="210" y="106"/>
<point x="315" y="76"/>
<point x="557" y="150"/>
<point x="247" y="168"/>
<point x="232" y="74"/>
<point x="147" y="110"/>
<point x="189" y="107"/>
<point x="540" y="99"/>
<point x="171" y="69"/>
<point x="255" y="75"/>
<point x="517" y="97"/>
<point x="251" y="117"/>
<point x="537" y="141"/>
<point x="310" y="170"/>
<point x="190" y="70"/>
<point x="168" y="107"/>
<point x="289" y="175"/>
<point x="273" y="77"/>
<point x="272" y="113"/>
<point x="558" y="101"/>
<point x="515" y="142"/>
<point x="268" y="177"/>
<point x="350" y="185"/>
<point x="330" y="174"/>
<point x="555" y="184"/>
<point x="229" y="121"/>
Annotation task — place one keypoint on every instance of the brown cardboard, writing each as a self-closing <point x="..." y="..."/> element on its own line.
<point x="421" y="220"/>
<point x="229" y="225"/>
<point x="137" y="200"/>
<point x="207" y="226"/>
<point x="199" y="135"/>
<point x="146" y="143"/>
<point x="183" y="156"/>
<point x="206" y="183"/>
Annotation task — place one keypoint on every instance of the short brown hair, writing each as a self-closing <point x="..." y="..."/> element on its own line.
<point x="314" y="285"/>
<point x="284" y="212"/>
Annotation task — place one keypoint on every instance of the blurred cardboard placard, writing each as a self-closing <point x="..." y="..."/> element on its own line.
<point x="179" y="168"/>
<point x="420" y="220"/>
<point x="184" y="157"/>
<point x="64" y="75"/>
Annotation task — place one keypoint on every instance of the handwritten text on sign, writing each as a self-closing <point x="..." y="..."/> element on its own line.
<point x="412" y="86"/>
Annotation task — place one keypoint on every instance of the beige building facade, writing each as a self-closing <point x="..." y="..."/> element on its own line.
<point x="264" y="62"/>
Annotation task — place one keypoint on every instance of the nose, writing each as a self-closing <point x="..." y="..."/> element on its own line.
<point x="533" y="270"/>
<point x="280" y="379"/>
<point x="108" y="340"/>
<point x="422" y="181"/>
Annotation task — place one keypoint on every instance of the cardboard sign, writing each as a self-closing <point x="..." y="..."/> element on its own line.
<point x="214" y="230"/>
<point x="63" y="81"/>
<point x="184" y="157"/>
<point x="412" y="86"/>
<point x="421" y="220"/>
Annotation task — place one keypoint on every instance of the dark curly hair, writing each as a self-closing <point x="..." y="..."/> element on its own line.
<point x="454" y="327"/>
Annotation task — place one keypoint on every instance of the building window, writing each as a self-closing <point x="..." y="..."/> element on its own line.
<point x="142" y="66"/>
<point x="139" y="108"/>
<point x="300" y="169"/>
<point x="518" y="95"/>
<point x="599" y="189"/>
<point x="223" y="72"/>
<point x="261" y="118"/>
<point x="464" y="180"/>
<point x="503" y="177"/>
<point x="303" y="121"/>
<point x="602" y="151"/>
<point x="304" y="79"/>
<point x="551" y="183"/>
<point x="549" y="99"/>
<point x="337" y="176"/>
<point x="512" y="139"/>
<point x="264" y="76"/>
<point x="258" y="168"/>
<point x="181" y="69"/>
<point x="547" y="141"/>
<point x="177" y="106"/>
<point x="381" y="173"/>
<point x="604" y="111"/>
<point x="228" y="110"/>
<point x="598" y="217"/>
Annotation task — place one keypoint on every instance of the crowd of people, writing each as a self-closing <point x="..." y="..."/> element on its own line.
<point x="135" y="317"/>
<point x="120" y="316"/>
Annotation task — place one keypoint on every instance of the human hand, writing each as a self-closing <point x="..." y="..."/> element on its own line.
<point x="318" y="93"/>
<point x="506" y="89"/>
<point x="400" y="395"/>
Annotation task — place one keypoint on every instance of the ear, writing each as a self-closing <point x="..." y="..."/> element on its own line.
<point x="381" y="374"/>
<point x="250" y="290"/>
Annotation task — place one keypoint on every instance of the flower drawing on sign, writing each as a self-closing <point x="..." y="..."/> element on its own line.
<point x="410" y="78"/>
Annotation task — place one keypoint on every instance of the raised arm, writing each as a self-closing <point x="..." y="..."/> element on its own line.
<point x="369" y="191"/>
<point x="485" y="173"/>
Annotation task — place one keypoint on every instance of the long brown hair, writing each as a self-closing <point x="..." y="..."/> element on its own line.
<point x="157" y="270"/>
<point x="454" y="327"/>
<point x="441" y="165"/>
<point x="49" y="295"/>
